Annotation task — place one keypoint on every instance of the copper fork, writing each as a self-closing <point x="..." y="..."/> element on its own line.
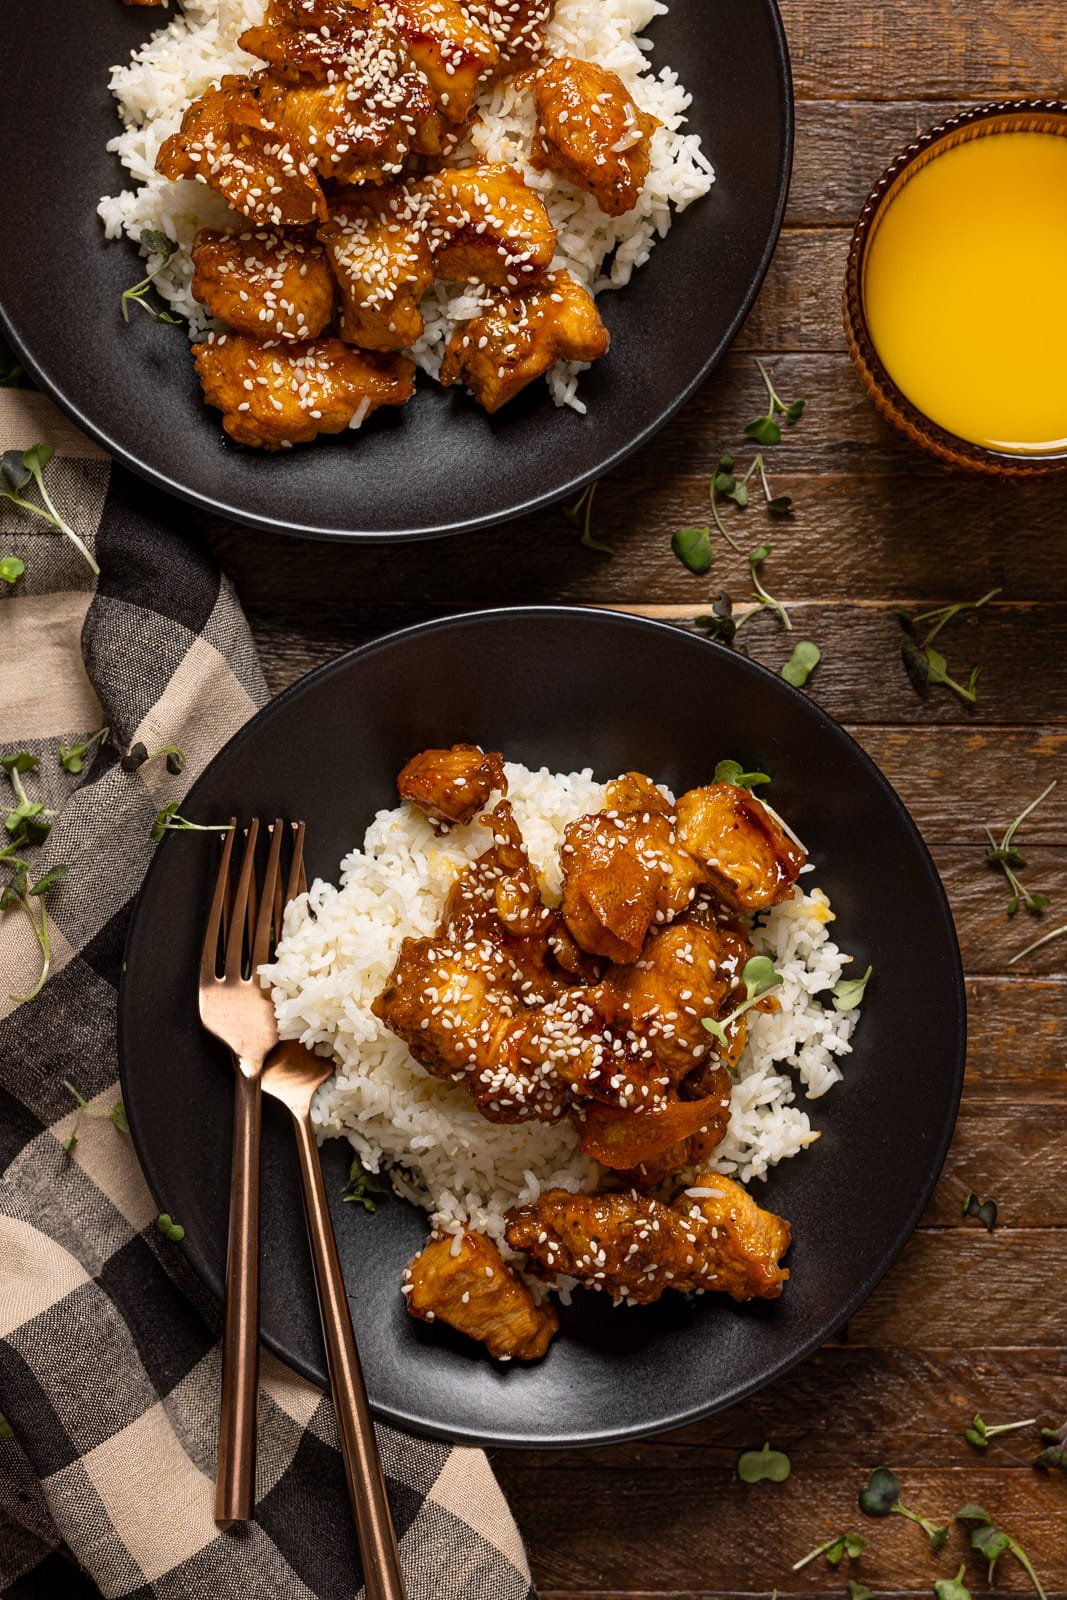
<point x="240" y="1013"/>
<point x="292" y="1075"/>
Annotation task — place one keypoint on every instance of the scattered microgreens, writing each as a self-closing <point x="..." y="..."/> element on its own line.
<point x="859" y="1591"/>
<point x="726" y="485"/>
<point x="692" y="546"/>
<point x="1046" y="938"/>
<point x="363" y="1187"/>
<point x="765" y="601"/>
<point x="765" y="430"/>
<point x="1055" y="1453"/>
<point x="835" y="1550"/>
<point x="11" y="568"/>
<point x="984" y="1210"/>
<point x="766" y="1465"/>
<point x="169" y="1228"/>
<point x="802" y="663"/>
<point x="848" y="992"/>
<point x="170" y="820"/>
<point x="721" y="624"/>
<point x="993" y="1542"/>
<point x="881" y="1498"/>
<point x="759" y="978"/>
<point x="72" y="756"/>
<point x="156" y="244"/>
<point x="17" y="470"/>
<point x="980" y="1432"/>
<point x="28" y="823"/>
<point x="580" y="515"/>
<point x="952" y="1588"/>
<point x="138" y="754"/>
<point x="925" y="665"/>
<point x="71" y="1140"/>
<point x="1005" y="856"/>
<point x="117" y="1114"/>
<point x="733" y="772"/>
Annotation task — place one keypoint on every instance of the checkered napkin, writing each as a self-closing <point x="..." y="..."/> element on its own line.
<point x="109" y="1356"/>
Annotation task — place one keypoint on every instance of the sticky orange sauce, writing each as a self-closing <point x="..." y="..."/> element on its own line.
<point x="965" y="291"/>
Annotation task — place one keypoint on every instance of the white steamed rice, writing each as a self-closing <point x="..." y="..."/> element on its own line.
<point x="199" y="46"/>
<point x="339" y="948"/>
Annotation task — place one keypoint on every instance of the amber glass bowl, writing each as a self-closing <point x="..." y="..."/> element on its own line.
<point x="1005" y="116"/>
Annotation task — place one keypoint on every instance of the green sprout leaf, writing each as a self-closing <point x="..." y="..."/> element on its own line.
<point x="733" y="772"/>
<point x="764" y="430"/>
<point x="848" y="992"/>
<point x="364" y="1188"/>
<point x="835" y="1550"/>
<point x="721" y="624"/>
<point x="802" y="663"/>
<point x="1005" y="856"/>
<point x="859" y="1591"/>
<point x="169" y="1228"/>
<point x="759" y="978"/>
<point x="118" y="1117"/>
<point x="952" y="1588"/>
<point x="11" y="568"/>
<point x="1055" y="1451"/>
<point x="984" y="1210"/>
<point x="692" y="546"/>
<point x="881" y="1498"/>
<point x="766" y="1465"/>
<point x="170" y="820"/>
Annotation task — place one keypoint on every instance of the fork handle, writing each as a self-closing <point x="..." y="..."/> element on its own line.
<point x="382" y="1576"/>
<point x="235" y="1478"/>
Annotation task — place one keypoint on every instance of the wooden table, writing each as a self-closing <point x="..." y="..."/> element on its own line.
<point x="966" y="1320"/>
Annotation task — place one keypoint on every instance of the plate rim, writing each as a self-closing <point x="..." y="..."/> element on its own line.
<point x="207" y="503"/>
<point x="592" y="616"/>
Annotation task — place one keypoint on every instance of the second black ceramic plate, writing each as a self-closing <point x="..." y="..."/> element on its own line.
<point x="567" y="689"/>
<point x="441" y="464"/>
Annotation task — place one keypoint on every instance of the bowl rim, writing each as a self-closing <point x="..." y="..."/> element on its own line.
<point x="650" y="628"/>
<point x="889" y="399"/>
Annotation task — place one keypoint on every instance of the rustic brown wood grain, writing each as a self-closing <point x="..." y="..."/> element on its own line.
<point x="966" y="1320"/>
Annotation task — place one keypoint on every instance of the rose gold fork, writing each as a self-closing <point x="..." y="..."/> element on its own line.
<point x="239" y="1012"/>
<point x="292" y="1075"/>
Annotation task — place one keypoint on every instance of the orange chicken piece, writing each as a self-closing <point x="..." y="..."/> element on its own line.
<point x="591" y="132"/>
<point x="468" y="1284"/>
<point x="359" y="128"/>
<point x="448" y="46"/>
<point x="227" y="142"/>
<point x="516" y="27"/>
<point x="744" y="853"/>
<point x="486" y="226"/>
<point x="274" y="395"/>
<point x="451" y="785"/>
<point x="276" y="286"/>
<point x="378" y="251"/>
<point x="518" y="337"/>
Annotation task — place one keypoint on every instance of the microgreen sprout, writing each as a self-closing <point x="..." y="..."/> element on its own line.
<point x="363" y="1187"/>
<point x="980" y="1432"/>
<point x="72" y="756"/>
<point x="765" y="601"/>
<point x="67" y="1145"/>
<point x="952" y="1588"/>
<point x="169" y="1228"/>
<point x="1055" y="1452"/>
<point x="1005" y="856"/>
<point x="1046" y="938"/>
<point x="117" y="1115"/>
<point x="835" y="1550"/>
<point x="766" y="430"/>
<point x="881" y="1498"/>
<point x="138" y="754"/>
<point x="802" y="663"/>
<point x="733" y="772"/>
<point x="580" y="515"/>
<point x="157" y="244"/>
<point x="692" y="546"/>
<point x="759" y="978"/>
<point x="721" y="625"/>
<point x="984" y="1210"/>
<point x="925" y="665"/>
<point x="859" y="1591"/>
<point x="848" y="992"/>
<point x="992" y="1543"/>
<point x="766" y="1465"/>
<point x="17" y="471"/>
<point x="170" y="820"/>
<point x="11" y="568"/>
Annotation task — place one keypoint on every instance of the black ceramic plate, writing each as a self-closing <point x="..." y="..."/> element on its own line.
<point x="565" y="688"/>
<point x="441" y="465"/>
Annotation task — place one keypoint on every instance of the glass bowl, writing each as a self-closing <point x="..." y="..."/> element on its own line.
<point x="1004" y="116"/>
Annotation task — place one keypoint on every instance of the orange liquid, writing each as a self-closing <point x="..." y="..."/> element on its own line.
<point x="965" y="291"/>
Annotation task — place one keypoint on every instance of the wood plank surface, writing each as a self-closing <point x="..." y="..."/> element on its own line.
<point x="966" y="1320"/>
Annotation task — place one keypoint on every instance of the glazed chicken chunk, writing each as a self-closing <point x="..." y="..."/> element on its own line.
<point x="591" y="132"/>
<point x="274" y="394"/>
<point x="714" y="1237"/>
<point x="451" y="785"/>
<point x="466" y="1282"/>
<point x="487" y="226"/>
<point x="520" y="335"/>
<point x="276" y="286"/>
<point x="745" y="854"/>
<point x="226" y="141"/>
<point x="448" y="46"/>
<point x="381" y="260"/>
<point x="516" y="27"/>
<point x="360" y="127"/>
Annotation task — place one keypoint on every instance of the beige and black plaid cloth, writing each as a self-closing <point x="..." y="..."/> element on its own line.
<point x="109" y="1356"/>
